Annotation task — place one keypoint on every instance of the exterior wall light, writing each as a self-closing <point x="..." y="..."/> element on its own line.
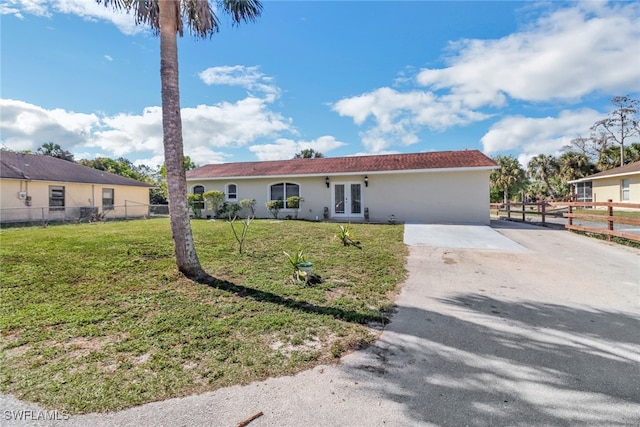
<point x="366" y="180"/>
<point x="326" y="181"/>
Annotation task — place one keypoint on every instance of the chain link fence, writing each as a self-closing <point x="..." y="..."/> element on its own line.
<point x="79" y="214"/>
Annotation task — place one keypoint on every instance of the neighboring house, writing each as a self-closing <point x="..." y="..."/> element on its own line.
<point x="621" y="184"/>
<point x="35" y="187"/>
<point x="436" y="187"/>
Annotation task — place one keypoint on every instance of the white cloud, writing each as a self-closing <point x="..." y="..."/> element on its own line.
<point x="26" y="127"/>
<point x="398" y="116"/>
<point x="87" y="9"/>
<point x="17" y="7"/>
<point x="532" y="136"/>
<point x="108" y="58"/>
<point x="249" y="78"/>
<point x="207" y="129"/>
<point x="569" y="53"/>
<point x="284" y="149"/>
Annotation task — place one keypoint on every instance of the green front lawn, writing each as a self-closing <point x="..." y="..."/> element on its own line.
<point x="95" y="317"/>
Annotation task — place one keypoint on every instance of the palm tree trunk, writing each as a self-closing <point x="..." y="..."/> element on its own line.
<point x="552" y="193"/>
<point x="186" y="256"/>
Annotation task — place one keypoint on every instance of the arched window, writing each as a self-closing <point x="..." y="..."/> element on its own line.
<point x="199" y="189"/>
<point x="282" y="190"/>
<point x="232" y="192"/>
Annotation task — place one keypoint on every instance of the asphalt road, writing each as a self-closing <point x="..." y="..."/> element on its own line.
<point x="541" y="328"/>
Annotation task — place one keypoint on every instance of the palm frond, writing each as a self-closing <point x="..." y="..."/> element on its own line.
<point x="200" y="17"/>
<point x="242" y="10"/>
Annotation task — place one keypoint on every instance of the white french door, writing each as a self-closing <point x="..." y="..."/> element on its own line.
<point x="347" y="199"/>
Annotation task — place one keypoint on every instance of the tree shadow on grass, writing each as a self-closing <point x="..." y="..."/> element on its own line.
<point x="480" y="361"/>
<point x="303" y="306"/>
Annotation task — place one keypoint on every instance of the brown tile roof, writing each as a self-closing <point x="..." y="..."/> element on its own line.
<point x="37" y="167"/>
<point x="628" y="169"/>
<point x="346" y="165"/>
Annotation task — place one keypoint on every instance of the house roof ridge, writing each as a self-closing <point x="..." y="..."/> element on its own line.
<point x="389" y="162"/>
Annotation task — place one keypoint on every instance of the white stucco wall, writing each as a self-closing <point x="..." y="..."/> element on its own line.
<point x="420" y="197"/>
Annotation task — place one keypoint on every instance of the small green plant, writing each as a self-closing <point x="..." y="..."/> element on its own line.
<point x="297" y="260"/>
<point x="215" y="201"/>
<point x="274" y="207"/>
<point x="347" y="236"/>
<point x="233" y="212"/>
<point x="293" y="202"/>
<point x="196" y="203"/>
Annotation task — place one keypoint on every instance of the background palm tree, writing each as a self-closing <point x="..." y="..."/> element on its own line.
<point x="509" y="174"/>
<point x="542" y="167"/>
<point x="165" y="17"/>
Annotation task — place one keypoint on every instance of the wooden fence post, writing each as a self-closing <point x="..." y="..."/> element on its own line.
<point x="570" y="212"/>
<point x="509" y="209"/>
<point x="544" y="210"/>
<point x="610" y="219"/>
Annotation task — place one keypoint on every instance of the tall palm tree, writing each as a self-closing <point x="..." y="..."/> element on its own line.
<point x="574" y="165"/>
<point x="165" y="17"/>
<point x="542" y="167"/>
<point x="509" y="174"/>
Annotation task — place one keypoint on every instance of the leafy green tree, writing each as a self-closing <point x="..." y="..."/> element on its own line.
<point x="610" y="158"/>
<point x="121" y="166"/>
<point x="508" y="177"/>
<point x="543" y="167"/>
<point x="592" y="147"/>
<point x="536" y="191"/>
<point x="54" y="150"/>
<point x="166" y="19"/>
<point x="622" y="125"/>
<point x="160" y="194"/>
<point x="308" y="153"/>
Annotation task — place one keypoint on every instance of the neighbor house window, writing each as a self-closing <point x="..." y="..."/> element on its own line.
<point x="56" y="198"/>
<point x="584" y="192"/>
<point x="625" y="190"/>
<point x="107" y="198"/>
<point x="283" y="190"/>
<point x="199" y="189"/>
<point x="232" y="192"/>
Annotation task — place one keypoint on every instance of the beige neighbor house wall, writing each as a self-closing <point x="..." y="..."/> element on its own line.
<point x="435" y="196"/>
<point x="129" y="201"/>
<point x="611" y="189"/>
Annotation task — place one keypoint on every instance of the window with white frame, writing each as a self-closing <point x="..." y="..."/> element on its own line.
<point x="282" y="190"/>
<point x="232" y="192"/>
<point x="56" y="198"/>
<point x="624" y="186"/>
<point x="584" y="191"/>
<point x="107" y="198"/>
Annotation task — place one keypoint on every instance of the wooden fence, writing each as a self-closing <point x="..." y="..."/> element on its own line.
<point x="601" y="221"/>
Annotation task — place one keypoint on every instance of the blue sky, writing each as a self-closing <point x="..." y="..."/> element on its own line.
<point x="342" y="77"/>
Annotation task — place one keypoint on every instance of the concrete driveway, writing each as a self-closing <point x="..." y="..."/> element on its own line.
<point x="540" y="329"/>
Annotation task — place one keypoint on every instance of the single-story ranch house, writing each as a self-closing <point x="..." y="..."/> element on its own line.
<point x="35" y="187"/>
<point x="621" y="184"/>
<point x="436" y="187"/>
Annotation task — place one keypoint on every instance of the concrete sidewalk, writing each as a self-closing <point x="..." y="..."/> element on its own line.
<point x="546" y="336"/>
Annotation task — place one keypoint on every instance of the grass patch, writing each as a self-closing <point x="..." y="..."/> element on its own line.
<point x="95" y="317"/>
<point x="604" y="212"/>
